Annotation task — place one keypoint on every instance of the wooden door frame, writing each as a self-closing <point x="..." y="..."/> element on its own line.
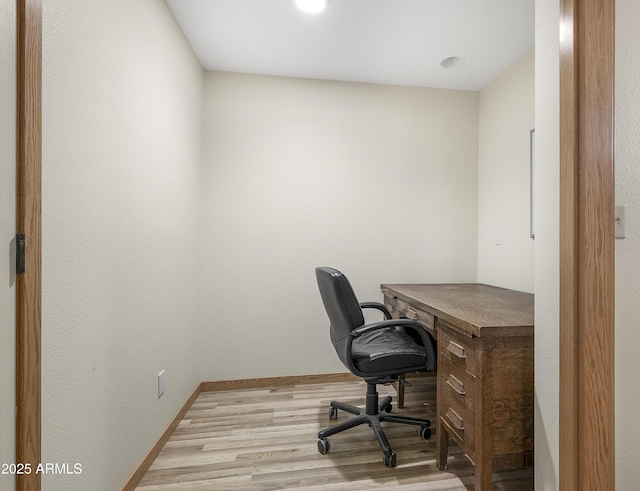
<point x="29" y="222"/>
<point x="587" y="252"/>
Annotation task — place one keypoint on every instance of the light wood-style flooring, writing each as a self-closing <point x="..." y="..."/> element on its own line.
<point x="266" y="439"/>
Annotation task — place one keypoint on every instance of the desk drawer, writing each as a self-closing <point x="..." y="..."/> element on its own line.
<point x="458" y="403"/>
<point x="390" y="302"/>
<point x="410" y="312"/>
<point x="458" y="349"/>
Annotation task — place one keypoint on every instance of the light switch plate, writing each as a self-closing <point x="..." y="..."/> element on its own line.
<point x="621" y="222"/>
<point x="498" y="236"/>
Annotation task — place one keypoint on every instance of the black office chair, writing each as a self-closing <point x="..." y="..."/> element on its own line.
<point x="377" y="352"/>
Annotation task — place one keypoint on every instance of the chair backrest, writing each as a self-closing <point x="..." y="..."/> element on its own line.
<point x="343" y="310"/>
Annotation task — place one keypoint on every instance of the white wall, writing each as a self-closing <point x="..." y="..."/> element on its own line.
<point x="122" y="97"/>
<point x="7" y="236"/>
<point x="627" y="162"/>
<point x="547" y="246"/>
<point x="506" y="119"/>
<point x="378" y="181"/>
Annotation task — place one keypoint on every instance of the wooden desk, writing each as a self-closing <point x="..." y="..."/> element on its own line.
<point x="485" y="369"/>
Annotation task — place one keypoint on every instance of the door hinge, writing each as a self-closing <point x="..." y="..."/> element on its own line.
<point x="20" y="253"/>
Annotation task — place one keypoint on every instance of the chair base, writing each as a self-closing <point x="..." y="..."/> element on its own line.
<point x="373" y="415"/>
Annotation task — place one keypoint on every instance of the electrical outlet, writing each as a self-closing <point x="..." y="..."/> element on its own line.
<point x="160" y="384"/>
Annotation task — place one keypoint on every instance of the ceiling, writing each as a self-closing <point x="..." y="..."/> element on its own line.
<point x="399" y="42"/>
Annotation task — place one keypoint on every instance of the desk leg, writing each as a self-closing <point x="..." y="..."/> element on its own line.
<point x="400" y="391"/>
<point x="442" y="445"/>
<point x="484" y="477"/>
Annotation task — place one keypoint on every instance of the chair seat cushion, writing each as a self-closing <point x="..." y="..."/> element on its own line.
<point x="385" y="350"/>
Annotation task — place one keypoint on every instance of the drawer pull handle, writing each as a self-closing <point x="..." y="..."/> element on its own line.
<point x="455" y="419"/>
<point x="412" y="314"/>
<point x="456" y="350"/>
<point x="456" y="385"/>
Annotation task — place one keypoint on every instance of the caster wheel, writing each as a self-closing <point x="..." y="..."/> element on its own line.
<point x="424" y="432"/>
<point x="388" y="408"/>
<point x="333" y="413"/>
<point x="389" y="461"/>
<point x="324" y="445"/>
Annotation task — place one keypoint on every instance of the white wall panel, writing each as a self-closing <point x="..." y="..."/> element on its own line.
<point x="627" y="167"/>
<point x="7" y="236"/>
<point x="122" y="95"/>
<point x="377" y="181"/>
<point x="547" y="250"/>
<point x="506" y="120"/>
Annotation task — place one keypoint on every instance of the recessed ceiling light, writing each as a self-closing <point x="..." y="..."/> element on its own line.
<point x="312" y="6"/>
<point x="452" y="62"/>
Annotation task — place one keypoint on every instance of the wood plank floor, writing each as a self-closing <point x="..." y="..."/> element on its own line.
<point x="266" y="439"/>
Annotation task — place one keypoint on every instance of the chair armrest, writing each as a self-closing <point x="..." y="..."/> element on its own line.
<point x="378" y="306"/>
<point x="373" y="326"/>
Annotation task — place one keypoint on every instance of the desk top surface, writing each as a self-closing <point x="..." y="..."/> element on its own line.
<point x="477" y="308"/>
